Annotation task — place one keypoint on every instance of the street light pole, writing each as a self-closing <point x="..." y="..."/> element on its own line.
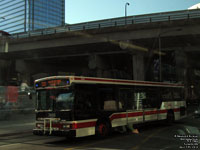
<point x="127" y="4"/>
<point x="160" y="61"/>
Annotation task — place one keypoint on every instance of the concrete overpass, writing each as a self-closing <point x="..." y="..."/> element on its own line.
<point x="128" y="47"/>
<point x="137" y="29"/>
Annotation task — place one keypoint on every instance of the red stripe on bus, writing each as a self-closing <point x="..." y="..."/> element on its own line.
<point x="176" y="109"/>
<point x="162" y="111"/>
<point x="83" y="125"/>
<point x="136" y="114"/>
<point x="117" y="116"/>
<point x="124" y="81"/>
<point x="151" y="112"/>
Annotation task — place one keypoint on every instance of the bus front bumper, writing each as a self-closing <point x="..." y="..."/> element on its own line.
<point x="68" y="133"/>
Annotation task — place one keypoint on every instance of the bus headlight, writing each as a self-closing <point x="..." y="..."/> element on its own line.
<point x="66" y="126"/>
<point x="196" y="112"/>
<point x="39" y="125"/>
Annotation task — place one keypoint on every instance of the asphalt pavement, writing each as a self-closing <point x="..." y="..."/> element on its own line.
<point x="17" y="123"/>
<point x="16" y="134"/>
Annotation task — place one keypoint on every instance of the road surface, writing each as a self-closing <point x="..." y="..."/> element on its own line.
<point x="157" y="136"/>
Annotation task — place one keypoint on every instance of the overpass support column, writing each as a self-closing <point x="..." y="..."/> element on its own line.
<point x="138" y="67"/>
<point x="4" y="67"/>
<point x="181" y="65"/>
<point x="97" y="64"/>
<point x="23" y="69"/>
<point x="4" y="45"/>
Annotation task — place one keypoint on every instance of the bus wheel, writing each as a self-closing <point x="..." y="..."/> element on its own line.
<point x="102" y="129"/>
<point x="170" y="117"/>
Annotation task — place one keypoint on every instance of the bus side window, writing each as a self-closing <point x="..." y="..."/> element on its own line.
<point x="139" y="98"/>
<point x="85" y="98"/>
<point x="106" y="99"/>
<point x="122" y="99"/>
<point x="110" y="105"/>
<point x="177" y="94"/>
<point x="166" y="94"/>
<point x="152" y="97"/>
<point x="126" y="99"/>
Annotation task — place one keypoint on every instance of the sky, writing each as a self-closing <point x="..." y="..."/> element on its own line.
<point x="77" y="11"/>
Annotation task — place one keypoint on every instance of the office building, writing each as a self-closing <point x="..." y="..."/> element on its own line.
<point x="28" y="15"/>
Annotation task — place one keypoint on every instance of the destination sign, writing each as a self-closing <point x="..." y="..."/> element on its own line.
<point x="52" y="83"/>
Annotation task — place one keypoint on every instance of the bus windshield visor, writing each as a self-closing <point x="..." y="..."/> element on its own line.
<point x="55" y="100"/>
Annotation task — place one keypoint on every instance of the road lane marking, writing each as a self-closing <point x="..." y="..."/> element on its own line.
<point x="83" y="146"/>
<point x="7" y="145"/>
<point x="17" y="125"/>
<point x="98" y="142"/>
<point x="147" y="138"/>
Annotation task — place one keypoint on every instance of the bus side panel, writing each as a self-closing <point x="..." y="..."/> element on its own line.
<point x="175" y="106"/>
<point x="162" y="114"/>
<point x="85" y="131"/>
<point x="121" y="119"/>
<point x="119" y="122"/>
<point x="135" y="117"/>
<point x="84" y="127"/>
<point x="150" y="114"/>
<point x="118" y="119"/>
<point x="180" y="112"/>
<point x="177" y="115"/>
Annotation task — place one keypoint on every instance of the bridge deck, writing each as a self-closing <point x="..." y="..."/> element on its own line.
<point x="114" y="22"/>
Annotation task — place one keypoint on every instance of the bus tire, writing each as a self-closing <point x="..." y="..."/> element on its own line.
<point x="170" y="117"/>
<point x="102" y="129"/>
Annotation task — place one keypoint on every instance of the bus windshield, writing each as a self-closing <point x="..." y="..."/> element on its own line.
<point x="55" y="100"/>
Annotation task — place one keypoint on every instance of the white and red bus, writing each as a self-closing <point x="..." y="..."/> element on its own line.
<point x="81" y="106"/>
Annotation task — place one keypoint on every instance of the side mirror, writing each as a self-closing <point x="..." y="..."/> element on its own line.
<point x="29" y="95"/>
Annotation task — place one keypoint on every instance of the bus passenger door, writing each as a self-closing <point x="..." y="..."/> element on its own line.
<point x="138" y="111"/>
<point x="127" y="106"/>
<point x="150" y="103"/>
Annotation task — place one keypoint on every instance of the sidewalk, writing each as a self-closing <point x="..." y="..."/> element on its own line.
<point x="18" y="123"/>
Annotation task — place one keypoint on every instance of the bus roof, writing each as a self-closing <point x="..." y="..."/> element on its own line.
<point x="95" y="80"/>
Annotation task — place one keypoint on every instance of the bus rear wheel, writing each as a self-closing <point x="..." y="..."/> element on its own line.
<point x="170" y="117"/>
<point x="102" y="129"/>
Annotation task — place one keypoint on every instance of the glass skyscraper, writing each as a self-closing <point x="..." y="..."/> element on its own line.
<point x="27" y="15"/>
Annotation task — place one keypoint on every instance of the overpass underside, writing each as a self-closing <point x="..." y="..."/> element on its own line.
<point x="119" y="59"/>
<point x="101" y="60"/>
<point x="96" y="58"/>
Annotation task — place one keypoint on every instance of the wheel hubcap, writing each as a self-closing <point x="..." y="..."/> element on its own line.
<point x="102" y="129"/>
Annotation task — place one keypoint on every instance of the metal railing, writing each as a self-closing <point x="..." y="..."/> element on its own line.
<point x="114" y="22"/>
